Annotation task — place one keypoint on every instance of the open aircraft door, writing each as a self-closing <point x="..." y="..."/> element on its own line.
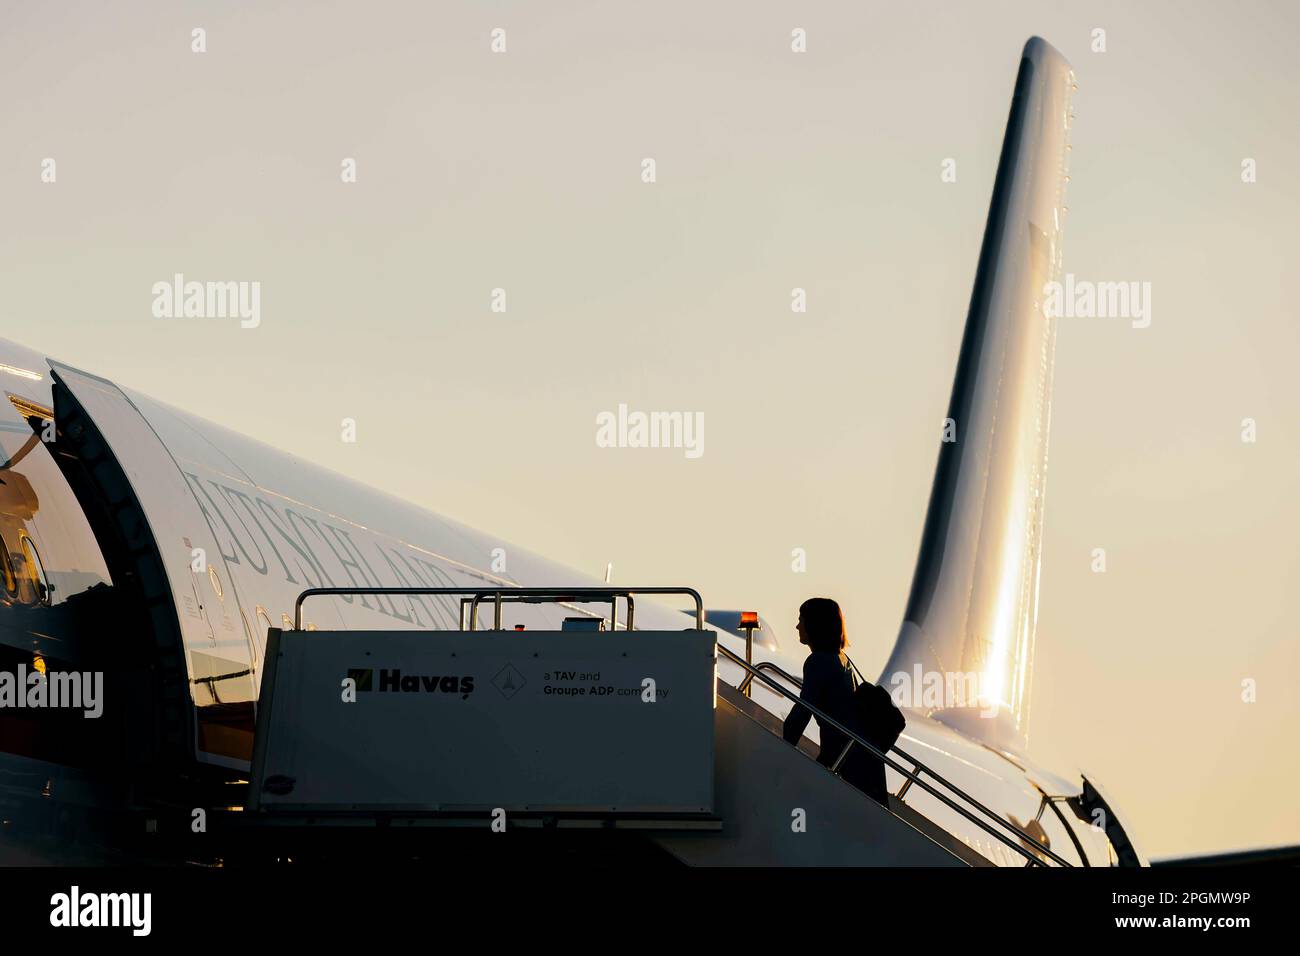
<point x="206" y="681"/>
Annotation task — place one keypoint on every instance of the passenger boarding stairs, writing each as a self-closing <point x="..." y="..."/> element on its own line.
<point x="767" y="803"/>
<point x="762" y="782"/>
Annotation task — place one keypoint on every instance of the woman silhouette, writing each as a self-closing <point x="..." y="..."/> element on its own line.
<point x="828" y="685"/>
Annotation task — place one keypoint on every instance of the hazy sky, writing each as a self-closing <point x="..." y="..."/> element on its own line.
<point x="775" y="170"/>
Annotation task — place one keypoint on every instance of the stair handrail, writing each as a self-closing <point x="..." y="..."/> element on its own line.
<point x="824" y="719"/>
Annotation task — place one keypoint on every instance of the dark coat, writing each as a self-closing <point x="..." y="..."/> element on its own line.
<point x="828" y="685"/>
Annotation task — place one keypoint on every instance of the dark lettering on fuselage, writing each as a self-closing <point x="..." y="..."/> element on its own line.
<point x="303" y="535"/>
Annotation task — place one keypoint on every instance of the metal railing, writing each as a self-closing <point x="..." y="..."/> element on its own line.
<point x="500" y="595"/>
<point x="912" y="776"/>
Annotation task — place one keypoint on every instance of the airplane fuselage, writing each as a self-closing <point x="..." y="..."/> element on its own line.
<point x="158" y="548"/>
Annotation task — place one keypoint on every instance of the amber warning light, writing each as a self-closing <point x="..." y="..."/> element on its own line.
<point x="749" y="624"/>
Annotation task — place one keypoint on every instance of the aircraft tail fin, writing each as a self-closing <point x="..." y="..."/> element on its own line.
<point x="972" y="611"/>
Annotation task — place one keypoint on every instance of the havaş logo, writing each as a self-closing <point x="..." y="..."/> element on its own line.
<point x="394" y="681"/>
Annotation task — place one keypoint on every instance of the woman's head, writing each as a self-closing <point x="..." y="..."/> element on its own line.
<point x="821" y="625"/>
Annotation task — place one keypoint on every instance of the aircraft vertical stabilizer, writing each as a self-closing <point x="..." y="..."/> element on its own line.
<point x="973" y="606"/>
